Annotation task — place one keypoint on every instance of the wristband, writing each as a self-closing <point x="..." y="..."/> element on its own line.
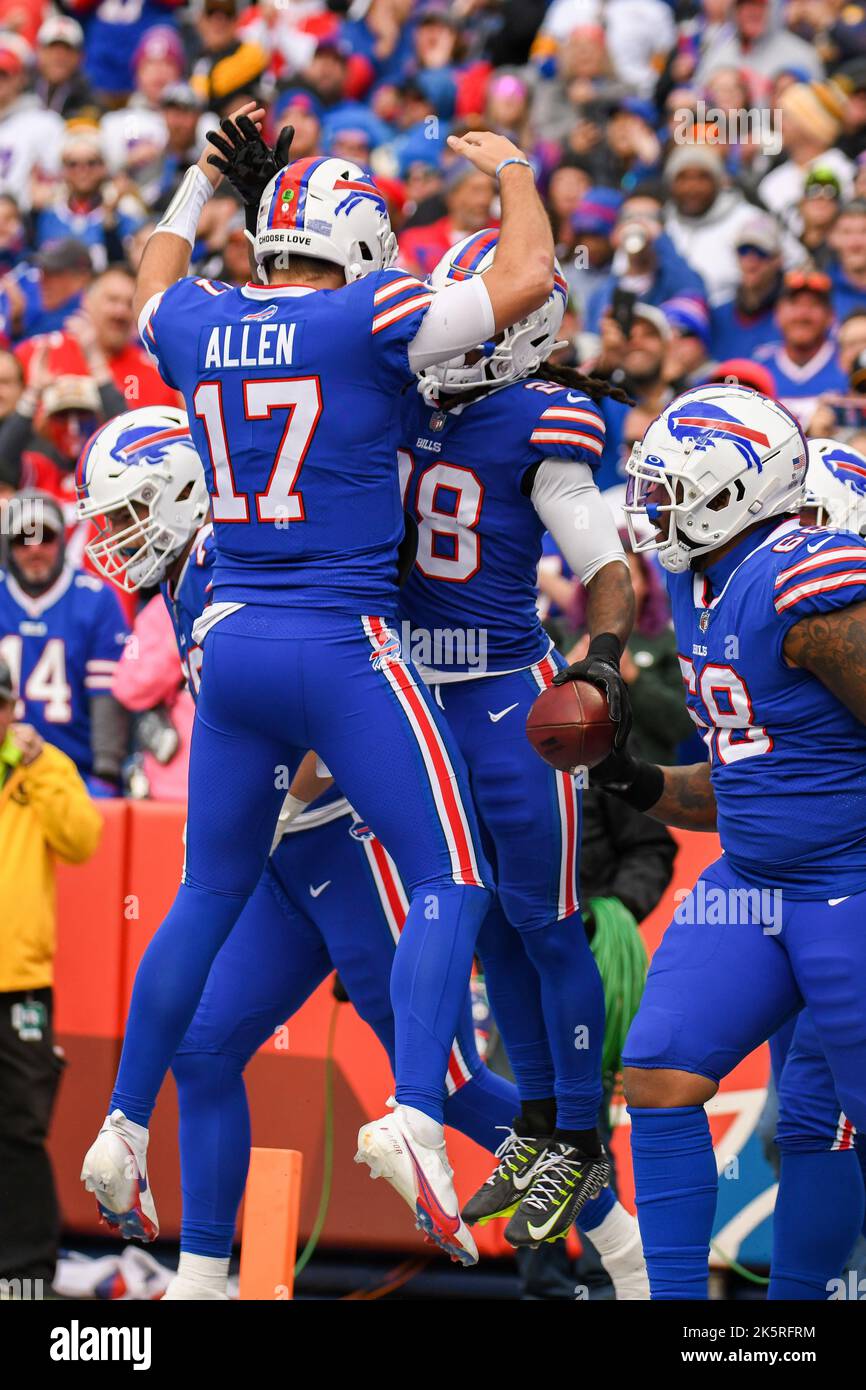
<point x="512" y="159"/>
<point x="607" y="647"/>
<point x="644" y="790"/>
<point x="182" y="214"/>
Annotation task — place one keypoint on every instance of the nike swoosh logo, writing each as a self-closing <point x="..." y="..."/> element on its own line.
<point x="817" y="546"/>
<point x="448" y="1225"/>
<point x="524" y="1182"/>
<point x="834" y="902"/>
<point x="539" y="1232"/>
<point x="314" y="892"/>
<point x="495" y="718"/>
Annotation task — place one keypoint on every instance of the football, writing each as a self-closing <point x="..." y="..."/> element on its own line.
<point x="569" y="726"/>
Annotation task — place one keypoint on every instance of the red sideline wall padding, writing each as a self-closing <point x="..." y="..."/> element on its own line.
<point x="110" y="908"/>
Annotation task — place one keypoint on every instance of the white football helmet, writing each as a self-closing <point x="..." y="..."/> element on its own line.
<point x="717" y="459"/>
<point x="836" y="486"/>
<point x="141" y="481"/>
<point x="518" y="352"/>
<point x="327" y="208"/>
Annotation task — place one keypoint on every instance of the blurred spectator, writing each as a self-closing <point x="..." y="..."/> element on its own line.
<point x="851" y="338"/>
<point x="469" y="207"/>
<point x="87" y="206"/>
<point x="113" y="32"/>
<point x="326" y="75"/>
<point x="848" y="240"/>
<point x="634" y="343"/>
<point x="810" y="126"/>
<point x="40" y="440"/>
<point x="30" y="136"/>
<point x="41" y="297"/>
<point x="646" y="262"/>
<point x="102" y="371"/>
<point x="587" y="264"/>
<point x="687" y="359"/>
<point x="819" y="209"/>
<point x="45" y="816"/>
<point x="747" y="319"/>
<point x="705" y="217"/>
<point x="64" y="663"/>
<point x="149" y="677"/>
<point x="134" y="136"/>
<point x="230" y="67"/>
<point x="583" y="87"/>
<point x="301" y="110"/>
<point x="181" y="109"/>
<point x="12" y="241"/>
<point x="759" y="44"/>
<point x="805" y="363"/>
<point x="60" y="83"/>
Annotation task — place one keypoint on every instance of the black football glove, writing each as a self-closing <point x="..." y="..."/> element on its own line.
<point x="247" y="160"/>
<point x="638" y="783"/>
<point x="600" y="667"/>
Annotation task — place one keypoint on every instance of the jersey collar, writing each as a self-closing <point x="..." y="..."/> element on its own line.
<point x="721" y="573"/>
<point x="275" y="291"/>
<point x="35" y="605"/>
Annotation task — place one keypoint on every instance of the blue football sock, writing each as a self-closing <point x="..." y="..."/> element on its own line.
<point x="514" y="992"/>
<point x="592" y="1213"/>
<point x="676" y="1186"/>
<point x="214" y="1149"/>
<point x="818" y="1217"/>
<point x="429" y="980"/>
<point x="168" y="985"/>
<point x="572" y="998"/>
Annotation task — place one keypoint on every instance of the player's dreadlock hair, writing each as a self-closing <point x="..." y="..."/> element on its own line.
<point x="593" y="386"/>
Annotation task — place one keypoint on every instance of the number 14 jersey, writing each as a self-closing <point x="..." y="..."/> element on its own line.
<point x="788" y="758"/>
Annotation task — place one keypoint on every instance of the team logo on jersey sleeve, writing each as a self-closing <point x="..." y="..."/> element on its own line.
<point x="704" y="423"/>
<point x="359" y="830"/>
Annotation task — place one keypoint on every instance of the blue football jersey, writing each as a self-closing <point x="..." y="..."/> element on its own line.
<point x="788" y="758"/>
<point x="293" y="398"/>
<point x="186" y="599"/>
<point x="471" y="600"/>
<point x="62" y="648"/>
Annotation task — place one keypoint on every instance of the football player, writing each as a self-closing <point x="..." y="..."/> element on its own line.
<point x="330" y="895"/>
<point x="498" y="448"/>
<point x="771" y="622"/>
<point x="292" y="388"/>
<point x="62" y="634"/>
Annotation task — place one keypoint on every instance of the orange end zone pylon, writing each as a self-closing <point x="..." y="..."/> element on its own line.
<point x="269" y="1236"/>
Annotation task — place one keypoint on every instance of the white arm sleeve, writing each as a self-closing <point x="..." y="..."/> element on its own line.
<point x="567" y="500"/>
<point x="459" y="318"/>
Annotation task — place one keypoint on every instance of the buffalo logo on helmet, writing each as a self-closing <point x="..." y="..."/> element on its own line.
<point x="706" y="424"/>
<point x="847" y="466"/>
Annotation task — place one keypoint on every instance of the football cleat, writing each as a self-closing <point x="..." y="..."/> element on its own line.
<point x="519" y="1156"/>
<point x="115" y="1171"/>
<point x="422" y="1175"/>
<point x="564" y="1179"/>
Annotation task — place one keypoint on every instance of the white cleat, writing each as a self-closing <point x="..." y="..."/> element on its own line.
<point x="115" y="1171"/>
<point x="422" y="1175"/>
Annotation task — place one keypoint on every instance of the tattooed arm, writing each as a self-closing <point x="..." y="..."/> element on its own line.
<point x="688" y="800"/>
<point x="832" y="646"/>
<point x="680" y="796"/>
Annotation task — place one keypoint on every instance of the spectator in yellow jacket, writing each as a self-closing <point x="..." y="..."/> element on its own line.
<point x="45" y="815"/>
